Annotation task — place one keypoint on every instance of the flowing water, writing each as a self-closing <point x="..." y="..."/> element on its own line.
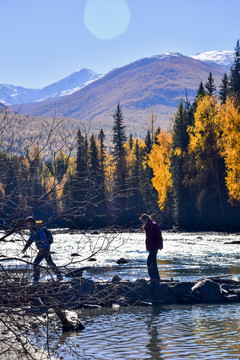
<point x="136" y="333"/>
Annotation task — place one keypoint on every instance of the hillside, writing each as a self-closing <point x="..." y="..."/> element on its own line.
<point x="155" y="83"/>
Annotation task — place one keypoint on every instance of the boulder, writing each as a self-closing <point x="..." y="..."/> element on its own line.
<point x="181" y="289"/>
<point x="158" y="293"/>
<point x="207" y="291"/>
<point x="116" y="279"/>
<point x="122" y="261"/>
<point x="133" y="292"/>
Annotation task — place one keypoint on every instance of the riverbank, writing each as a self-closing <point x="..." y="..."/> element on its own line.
<point x="84" y="293"/>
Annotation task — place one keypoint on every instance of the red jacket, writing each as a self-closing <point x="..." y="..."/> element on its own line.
<point x="154" y="240"/>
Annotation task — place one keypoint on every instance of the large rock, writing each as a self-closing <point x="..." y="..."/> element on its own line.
<point x="159" y="293"/>
<point x="180" y="290"/>
<point x="133" y="292"/>
<point x="207" y="291"/>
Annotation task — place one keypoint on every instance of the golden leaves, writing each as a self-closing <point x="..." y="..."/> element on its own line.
<point x="159" y="161"/>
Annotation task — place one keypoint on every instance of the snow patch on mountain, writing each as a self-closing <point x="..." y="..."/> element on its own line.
<point x="11" y="94"/>
<point x="219" y="57"/>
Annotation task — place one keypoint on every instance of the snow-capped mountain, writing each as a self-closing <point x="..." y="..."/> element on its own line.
<point x="14" y="95"/>
<point x="219" y="57"/>
<point x="157" y="82"/>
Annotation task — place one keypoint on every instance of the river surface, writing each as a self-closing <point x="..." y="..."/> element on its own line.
<point x="136" y="333"/>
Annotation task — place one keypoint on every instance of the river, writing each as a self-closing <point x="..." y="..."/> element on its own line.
<point x="137" y="333"/>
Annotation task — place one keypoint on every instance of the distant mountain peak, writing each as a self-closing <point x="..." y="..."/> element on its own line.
<point x="11" y="94"/>
<point x="219" y="57"/>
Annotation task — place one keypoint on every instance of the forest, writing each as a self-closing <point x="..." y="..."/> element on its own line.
<point x="187" y="177"/>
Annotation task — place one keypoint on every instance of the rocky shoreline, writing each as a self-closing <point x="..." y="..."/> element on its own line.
<point x="83" y="293"/>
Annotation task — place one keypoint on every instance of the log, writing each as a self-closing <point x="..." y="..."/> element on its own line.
<point x="67" y="326"/>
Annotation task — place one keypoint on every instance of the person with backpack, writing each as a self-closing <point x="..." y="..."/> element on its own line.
<point x="43" y="239"/>
<point x="154" y="242"/>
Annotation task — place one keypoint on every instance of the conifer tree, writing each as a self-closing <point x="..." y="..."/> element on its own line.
<point x="149" y="193"/>
<point x="156" y="133"/>
<point x="136" y="204"/>
<point x="76" y="190"/>
<point x="119" y="156"/>
<point x="210" y="86"/>
<point x="148" y="142"/>
<point x="60" y="167"/>
<point x="101" y="138"/>
<point x="82" y="155"/>
<point x="201" y="90"/>
<point x="200" y="93"/>
<point x="224" y="89"/>
<point x="235" y="74"/>
<point x="119" y="135"/>
<point x="130" y="140"/>
<point x="184" y="209"/>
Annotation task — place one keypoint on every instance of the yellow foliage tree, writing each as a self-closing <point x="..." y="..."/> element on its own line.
<point x="159" y="161"/>
<point x="205" y="163"/>
<point x="229" y="118"/>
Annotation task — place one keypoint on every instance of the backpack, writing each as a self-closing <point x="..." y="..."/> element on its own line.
<point x="48" y="235"/>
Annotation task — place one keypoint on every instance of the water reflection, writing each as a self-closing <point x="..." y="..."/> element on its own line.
<point x="169" y="332"/>
<point x="155" y="343"/>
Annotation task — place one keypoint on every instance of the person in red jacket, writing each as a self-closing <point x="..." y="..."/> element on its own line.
<point x="154" y="242"/>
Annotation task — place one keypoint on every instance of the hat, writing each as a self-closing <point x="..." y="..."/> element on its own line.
<point x="30" y="218"/>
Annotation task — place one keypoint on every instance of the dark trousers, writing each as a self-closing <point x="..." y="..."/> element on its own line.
<point x="152" y="265"/>
<point x="47" y="256"/>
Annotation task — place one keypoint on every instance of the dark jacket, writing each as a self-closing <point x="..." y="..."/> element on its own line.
<point x="40" y="238"/>
<point x="154" y="240"/>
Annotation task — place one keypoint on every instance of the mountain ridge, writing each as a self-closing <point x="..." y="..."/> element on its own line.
<point x="16" y="95"/>
<point x="146" y="85"/>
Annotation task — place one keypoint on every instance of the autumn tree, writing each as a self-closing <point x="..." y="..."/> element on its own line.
<point x="149" y="193"/>
<point x="159" y="161"/>
<point x="229" y="118"/>
<point x="206" y="170"/>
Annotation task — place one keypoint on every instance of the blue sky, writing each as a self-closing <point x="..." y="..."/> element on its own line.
<point x="43" y="41"/>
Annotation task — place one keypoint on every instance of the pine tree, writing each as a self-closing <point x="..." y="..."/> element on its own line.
<point x="60" y="166"/>
<point x="148" y="142"/>
<point x="76" y="192"/>
<point x="224" y="90"/>
<point x="156" y="133"/>
<point x="200" y="93"/>
<point x="101" y="138"/>
<point x="210" y="86"/>
<point x="135" y="203"/>
<point x="96" y="185"/>
<point x="130" y="141"/>
<point x="103" y="203"/>
<point x="119" y="156"/>
<point x="149" y="193"/>
<point x="119" y="135"/>
<point x="81" y="155"/>
<point x="184" y="209"/>
<point x="235" y="74"/>
<point x="201" y="90"/>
